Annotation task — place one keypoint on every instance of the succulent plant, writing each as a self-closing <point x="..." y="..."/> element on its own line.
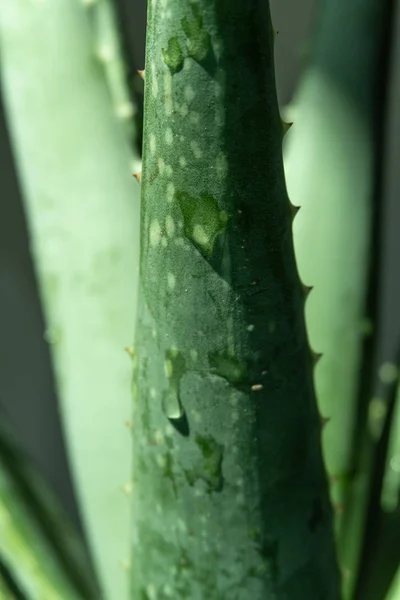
<point x="41" y="555"/>
<point x="227" y="459"/>
<point x="69" y="127"/>
<point x="230" y="490"/>
<point x="338" y="112"/>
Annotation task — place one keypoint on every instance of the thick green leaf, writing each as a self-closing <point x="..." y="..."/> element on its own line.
<point x="229" y="496"/>
<point x="331" y="156"/>
<point x="68" y="127"/>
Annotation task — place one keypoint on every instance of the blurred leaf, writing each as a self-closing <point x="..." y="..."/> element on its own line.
<point x="39" y="548"/>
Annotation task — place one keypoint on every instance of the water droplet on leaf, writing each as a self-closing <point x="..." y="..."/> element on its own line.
<point x="175" y="413"/>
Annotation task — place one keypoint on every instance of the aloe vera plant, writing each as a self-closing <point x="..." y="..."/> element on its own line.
<point x="391" y="484"/>
<point x="6" y="589"/>
<point x="380" y="552"/>
<point x="228" y="494"/>
<point x="394" y="592"/>
<point x="74" y="164"/>
<point x="40" y="552"/>
<point x="227" y="460"/>
<point x="337" y="112"/>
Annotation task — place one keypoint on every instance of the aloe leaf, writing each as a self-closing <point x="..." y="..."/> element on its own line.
<point x="40" y="550"/>
<point x="331" y="155"/>
<point x="390" y="495"/>
<point x="82" y="206"/>
<point x="394" y="592"/>
<point x="230" y="497"/>
<point x="8" y="589"/>
<point x="108" y="49"/>
<point x="381" y="548"/>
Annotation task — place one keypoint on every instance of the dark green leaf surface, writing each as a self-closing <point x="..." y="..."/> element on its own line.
<point x="230" y="496"/>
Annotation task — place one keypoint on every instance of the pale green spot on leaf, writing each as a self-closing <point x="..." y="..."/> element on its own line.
<point x="155" y="233"/>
